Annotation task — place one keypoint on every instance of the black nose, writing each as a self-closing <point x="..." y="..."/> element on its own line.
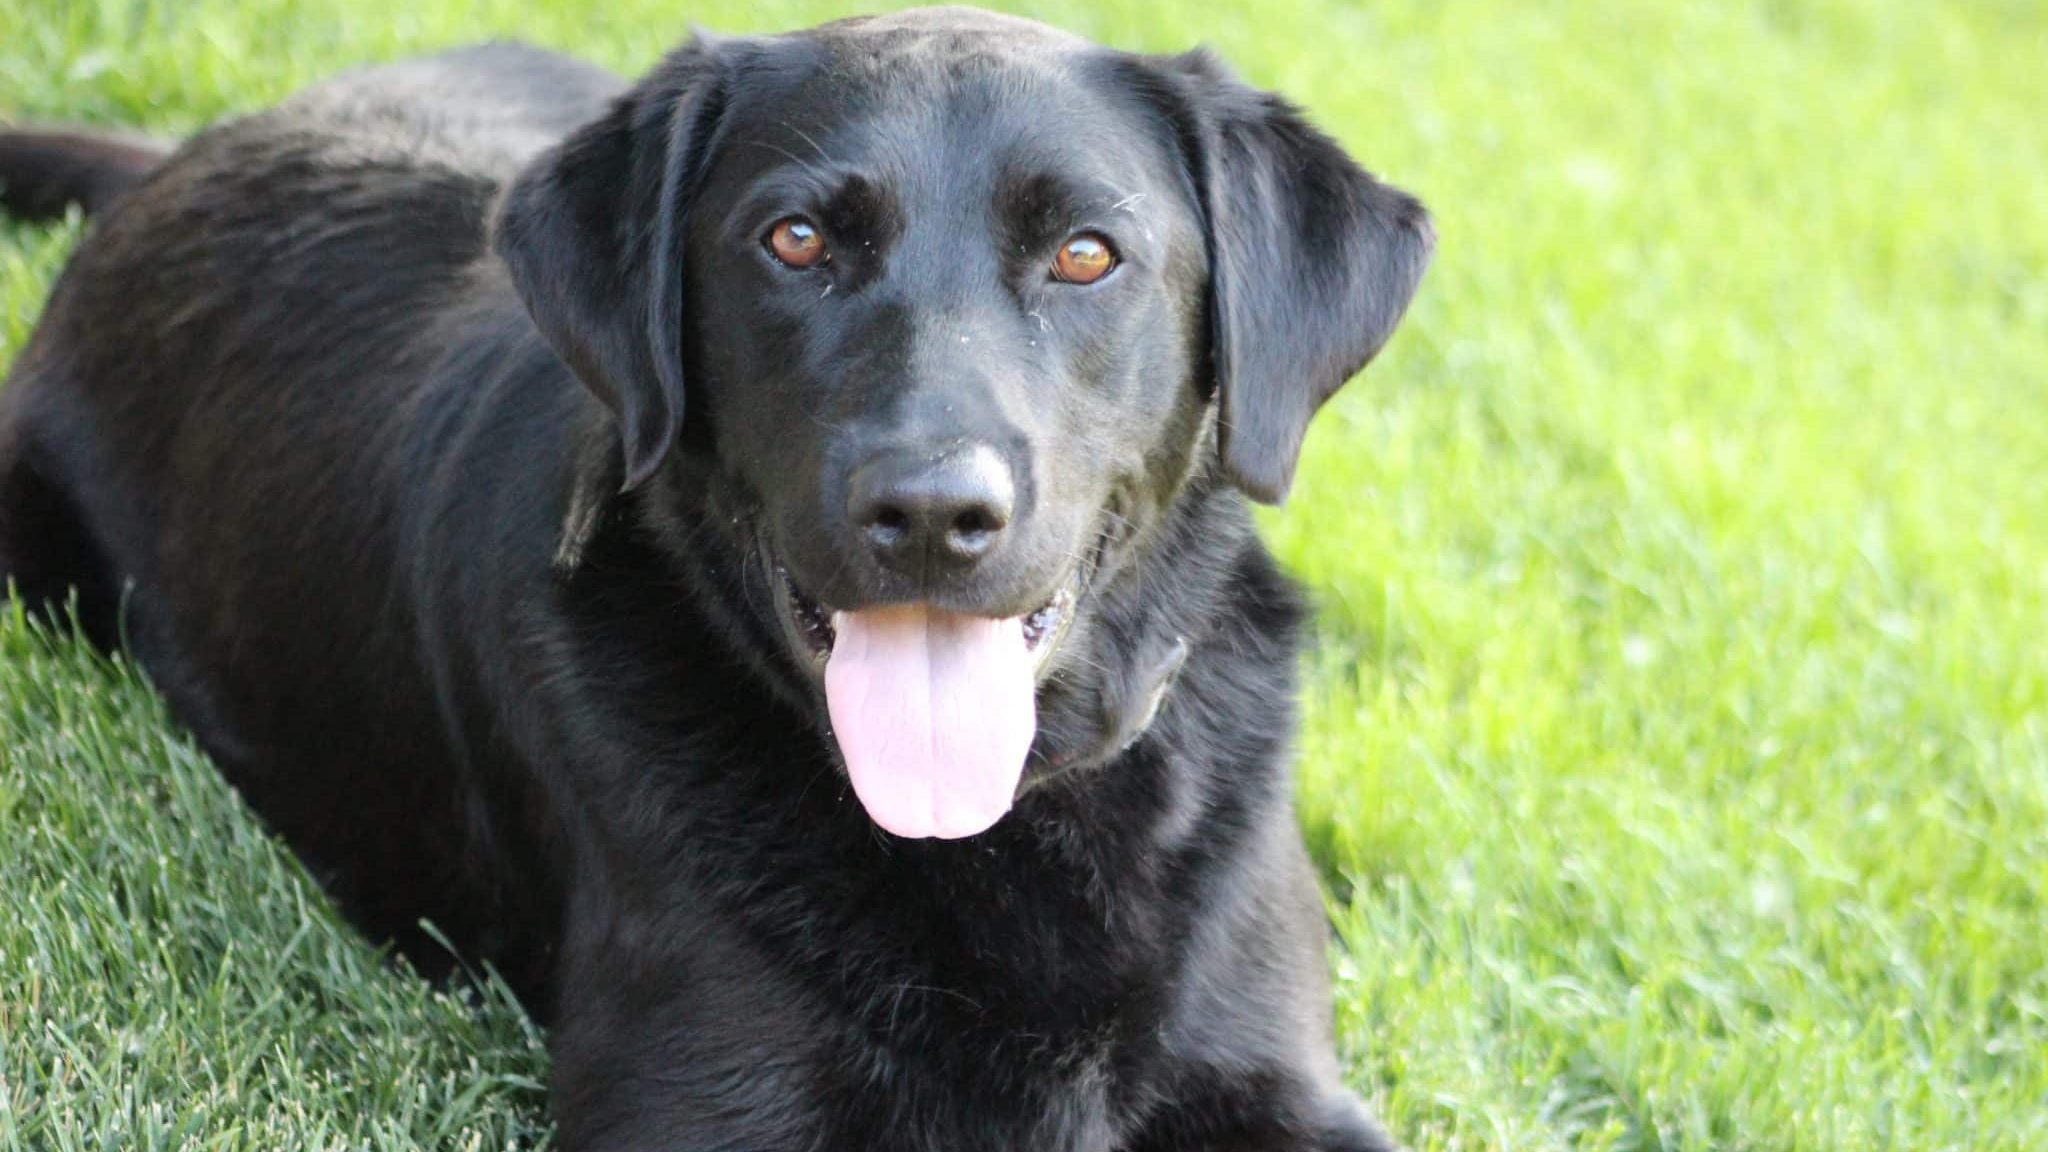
<point x="922" y="511"/>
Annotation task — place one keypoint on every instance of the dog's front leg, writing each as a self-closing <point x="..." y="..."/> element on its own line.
<point x="675" y="1037"/>
<point x="1251" y="1118"/>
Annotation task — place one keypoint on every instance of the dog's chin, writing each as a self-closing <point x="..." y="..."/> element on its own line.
<point x="808" y="623"/>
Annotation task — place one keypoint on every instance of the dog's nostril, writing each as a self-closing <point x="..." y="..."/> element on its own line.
<point x="972" y="533"/>
<point x="890" y="520"/>
<point x="973" y="522"/>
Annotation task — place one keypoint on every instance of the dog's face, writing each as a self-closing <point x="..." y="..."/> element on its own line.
<point x="944" y="302"/>
<point x="957" y="306"/>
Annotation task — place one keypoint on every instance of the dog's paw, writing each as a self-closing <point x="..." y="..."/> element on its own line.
<point x="1345" y="1126"/>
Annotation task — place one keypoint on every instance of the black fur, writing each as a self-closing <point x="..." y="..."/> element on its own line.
<point x="302" y="423"/>
<point x="43" y="173"/>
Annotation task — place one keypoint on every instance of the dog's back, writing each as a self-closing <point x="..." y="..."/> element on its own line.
<point x="284" y="285"/>
<point x="485" y="109"/>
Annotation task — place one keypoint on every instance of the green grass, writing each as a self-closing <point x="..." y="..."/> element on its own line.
<point x="1678" y="730"/>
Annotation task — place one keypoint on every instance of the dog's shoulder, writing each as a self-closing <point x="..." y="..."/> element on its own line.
<point x="468" y="119"/>
<point x="487" y="107"/>
<point x="377" y="182"/>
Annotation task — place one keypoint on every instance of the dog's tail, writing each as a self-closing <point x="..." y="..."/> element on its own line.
<point x="45" y="171"/>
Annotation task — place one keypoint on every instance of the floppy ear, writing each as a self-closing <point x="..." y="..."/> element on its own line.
<point x="1311" y="262"/>
<point x="592" y="233"/>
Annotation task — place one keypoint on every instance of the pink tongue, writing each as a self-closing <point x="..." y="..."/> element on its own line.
<point x="934" y="712"/>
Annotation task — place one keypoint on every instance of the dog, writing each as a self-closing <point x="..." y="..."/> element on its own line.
<point x="761" y="556"/>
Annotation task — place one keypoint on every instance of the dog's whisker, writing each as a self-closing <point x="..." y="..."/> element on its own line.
<point x="822" y="154"/>
<point x="793" y="158"/>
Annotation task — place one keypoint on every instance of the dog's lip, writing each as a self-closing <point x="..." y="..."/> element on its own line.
<point x="807" y="623"/>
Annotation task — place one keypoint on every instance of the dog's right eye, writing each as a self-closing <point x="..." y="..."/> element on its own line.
<point x="795" y="241"/>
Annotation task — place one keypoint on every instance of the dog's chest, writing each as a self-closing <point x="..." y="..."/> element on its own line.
<point x="1035" y="1025"/>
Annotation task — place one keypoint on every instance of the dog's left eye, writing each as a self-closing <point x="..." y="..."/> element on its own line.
<point x="796" y="242"/>
<point x="1085" y="258"/>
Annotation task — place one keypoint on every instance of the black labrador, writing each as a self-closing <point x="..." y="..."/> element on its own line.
<point x="760" y="556"/>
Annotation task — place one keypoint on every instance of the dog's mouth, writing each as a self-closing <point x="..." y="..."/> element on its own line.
<point x="933" y="711"/>
<point x="809" y="628"/>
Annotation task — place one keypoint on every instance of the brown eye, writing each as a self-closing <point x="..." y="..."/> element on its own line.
<point x="796" y="242"/>
<point x="1083" y="259"/>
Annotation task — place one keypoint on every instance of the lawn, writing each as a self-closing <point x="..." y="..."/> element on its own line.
<point x="1677" y="742"/>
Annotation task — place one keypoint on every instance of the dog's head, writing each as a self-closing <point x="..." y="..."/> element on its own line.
<point x="955" y="308"/>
